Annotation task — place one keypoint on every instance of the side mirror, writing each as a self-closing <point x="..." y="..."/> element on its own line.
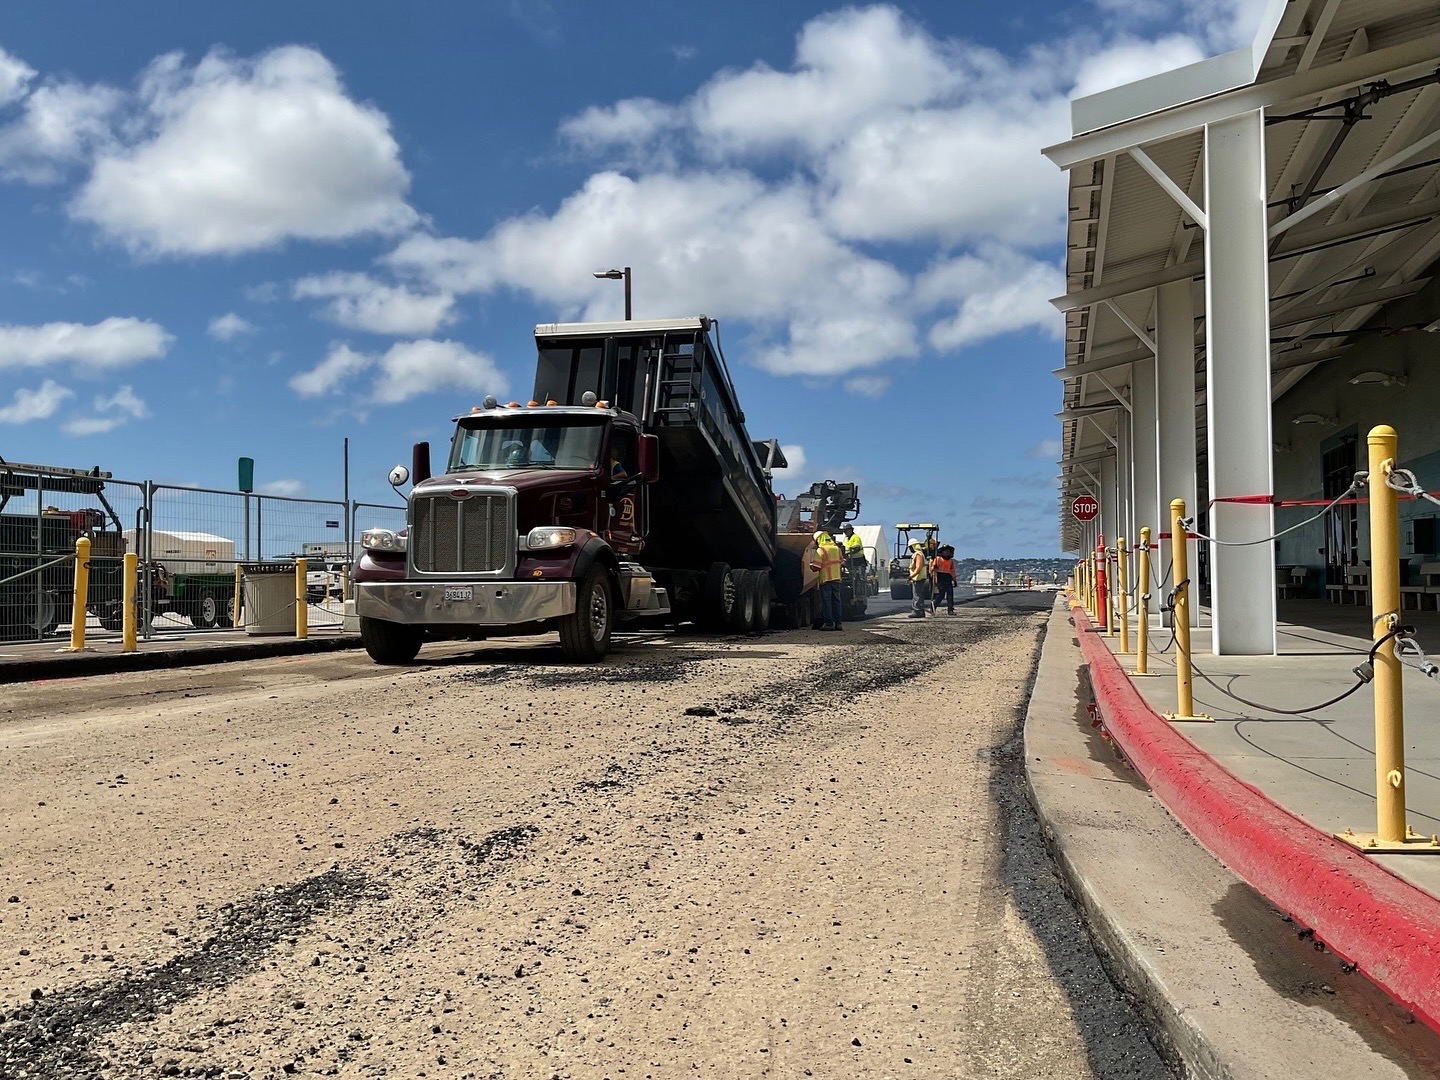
<point x="399" y="475"/>
<point x="649" y="458"/>
<point x="420" y="462"/>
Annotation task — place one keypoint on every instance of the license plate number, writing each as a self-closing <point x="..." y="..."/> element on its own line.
<point x="459" y="592"/>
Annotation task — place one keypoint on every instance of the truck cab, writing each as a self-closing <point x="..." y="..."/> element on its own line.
<point x="534" y="523"/>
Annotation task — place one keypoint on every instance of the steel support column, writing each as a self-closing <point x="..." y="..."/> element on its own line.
<point x="1109" y="500"/>
<point x="1237" y="327"/>
<point x="1145" y="448"/>
<point x="1175" y="405"/>
<point x="1125" y="480"/>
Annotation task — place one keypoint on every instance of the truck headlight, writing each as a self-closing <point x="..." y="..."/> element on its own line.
<point x="382" y="540"/>
<point x="548" y="537"/>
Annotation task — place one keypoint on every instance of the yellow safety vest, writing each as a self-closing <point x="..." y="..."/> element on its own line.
<point x="854" y="543"/>
<point x="829" y="563"/>
<point x="920" y="572"/>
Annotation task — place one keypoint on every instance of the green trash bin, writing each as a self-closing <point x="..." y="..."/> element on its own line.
<point x="268" y="603"/>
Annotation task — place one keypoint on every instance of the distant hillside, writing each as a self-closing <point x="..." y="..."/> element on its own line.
<point x="1012" y="569"/>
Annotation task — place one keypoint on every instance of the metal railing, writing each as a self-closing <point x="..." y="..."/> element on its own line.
<point x="189" y="542"/>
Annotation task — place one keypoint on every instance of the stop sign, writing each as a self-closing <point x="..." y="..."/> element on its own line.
<point x="1085" y="508"/>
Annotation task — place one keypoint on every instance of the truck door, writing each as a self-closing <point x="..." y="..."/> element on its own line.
<point x="626" y="532"/>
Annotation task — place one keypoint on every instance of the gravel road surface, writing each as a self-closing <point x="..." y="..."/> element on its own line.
<point x="797" y="855"/>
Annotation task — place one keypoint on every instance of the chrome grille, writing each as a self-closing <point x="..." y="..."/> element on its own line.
<point x="461" y="536"/>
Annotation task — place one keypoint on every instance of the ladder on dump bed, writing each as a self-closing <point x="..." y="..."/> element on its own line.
<point x="678" y="389"/>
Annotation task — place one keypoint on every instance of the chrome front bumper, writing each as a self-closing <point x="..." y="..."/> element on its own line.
<point x="493" y="603"/>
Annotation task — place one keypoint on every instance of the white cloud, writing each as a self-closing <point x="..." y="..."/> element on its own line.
<point x="723" y="244"/>
<point x="288" y="488"/>
<point x="15" y="76"/>
<point x="117" y="409"/>
<point x="404" y="371"/>
<point x="788" y="200"/>
<point x="91" y="425"/>
<point x="795" y="456"/>
<point x="123" y="401"/>
<point x="241" y="155"/>
<point x="1130" y="59"/>
<point x="1047" y="449"/>
<point x="359" y="302"/>
<point x="112" y="343"/>
<point x="996" y="292"/>
<point x="634" y="120"/>
<point x="37" y="404"/>
<point x="61" y="124"/>
<point x="328" y="376"/>
<point x="849" y="67"/>
<point x="412" y="368"/>
<point x="868" y="385"/>
<point x="229" y="326"/>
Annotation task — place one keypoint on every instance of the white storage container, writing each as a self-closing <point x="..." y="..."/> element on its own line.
<point x="188" y="552"/>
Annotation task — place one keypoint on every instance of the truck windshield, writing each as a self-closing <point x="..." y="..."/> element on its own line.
<point x="554" y="445"/>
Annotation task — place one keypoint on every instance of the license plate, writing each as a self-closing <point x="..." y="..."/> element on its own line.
<point x="459" y="592"/>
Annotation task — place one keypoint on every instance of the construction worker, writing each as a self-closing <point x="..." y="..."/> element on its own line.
<point x="943" y="569"/>
<point x="854" y="546"/>
<point x="919" y="579"/>
<point x="827" y="564"/>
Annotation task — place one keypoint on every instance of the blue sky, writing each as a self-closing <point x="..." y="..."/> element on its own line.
<point x="258" y="229"/>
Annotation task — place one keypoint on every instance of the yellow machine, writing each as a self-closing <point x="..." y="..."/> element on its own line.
<point x="900" y="565"/>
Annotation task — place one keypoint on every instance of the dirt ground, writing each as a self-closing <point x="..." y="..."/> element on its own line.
<point x="796" y="855"/>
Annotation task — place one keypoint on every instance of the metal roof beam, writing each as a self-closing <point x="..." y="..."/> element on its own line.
<point x="1296" y="244"/>
<point x="1334" y="195"/>
<point x="1349" y="302"/>
<point x="1330" y="78"/>
<point x="1161" y="177"/>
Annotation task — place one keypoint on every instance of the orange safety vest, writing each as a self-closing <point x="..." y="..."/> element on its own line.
<point x="944" y="566"/>
<point x="829" y="563"/>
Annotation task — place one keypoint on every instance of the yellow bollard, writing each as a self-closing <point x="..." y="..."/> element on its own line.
<point x="235" y="601"/>
<point x="1142" y="613"/>
<point x="1180" y="617"/>
<point x="1122" y="575"/>
<point x="344" y="583"/>
<point x="81" y="599"/>
<point x="1392" y="833"/>
<point x="129" y="613"/>
<point x="1090" y="605"/>
<point x="302" y="607"/>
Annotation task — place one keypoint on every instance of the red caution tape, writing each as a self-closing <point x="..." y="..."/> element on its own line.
<point x="1271" y="500"/>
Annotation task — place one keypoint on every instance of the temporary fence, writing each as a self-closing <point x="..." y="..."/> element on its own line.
<point x="189" y="541"/>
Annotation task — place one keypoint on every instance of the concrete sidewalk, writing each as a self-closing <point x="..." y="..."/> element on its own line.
<point x="1319" y="765"/>
<point x="1250" y="965"/>
<point x="1236" y="988"/>
<point x="52" y="658"/>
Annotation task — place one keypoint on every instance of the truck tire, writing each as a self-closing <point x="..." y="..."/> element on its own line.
<point x="901" y="592"/>
<point x="388" y="642"/>
<point x="760" y="579"/>
<point x="585" y="634"/>
<point x="205" y="613"/>
<point x="721" y="594"/>
<point x="742" y="613"/>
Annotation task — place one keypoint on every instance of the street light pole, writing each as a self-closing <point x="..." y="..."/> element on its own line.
<point x="618" y="275"/>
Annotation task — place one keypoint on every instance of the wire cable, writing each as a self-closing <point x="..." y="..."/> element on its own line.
<point x="1189" y="523"/>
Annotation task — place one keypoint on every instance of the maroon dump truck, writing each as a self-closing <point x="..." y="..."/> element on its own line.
<point x="626" y="490"/>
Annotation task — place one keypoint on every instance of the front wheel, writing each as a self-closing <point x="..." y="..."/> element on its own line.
<point x="901" y="592"/>
<point x="585" y="634"/>
<point x="388" y="642"/>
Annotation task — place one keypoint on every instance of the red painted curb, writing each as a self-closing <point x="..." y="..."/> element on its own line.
<point x="1386" y="926"/>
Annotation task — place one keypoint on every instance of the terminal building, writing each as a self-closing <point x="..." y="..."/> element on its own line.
<point x="1253" y="283"/>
